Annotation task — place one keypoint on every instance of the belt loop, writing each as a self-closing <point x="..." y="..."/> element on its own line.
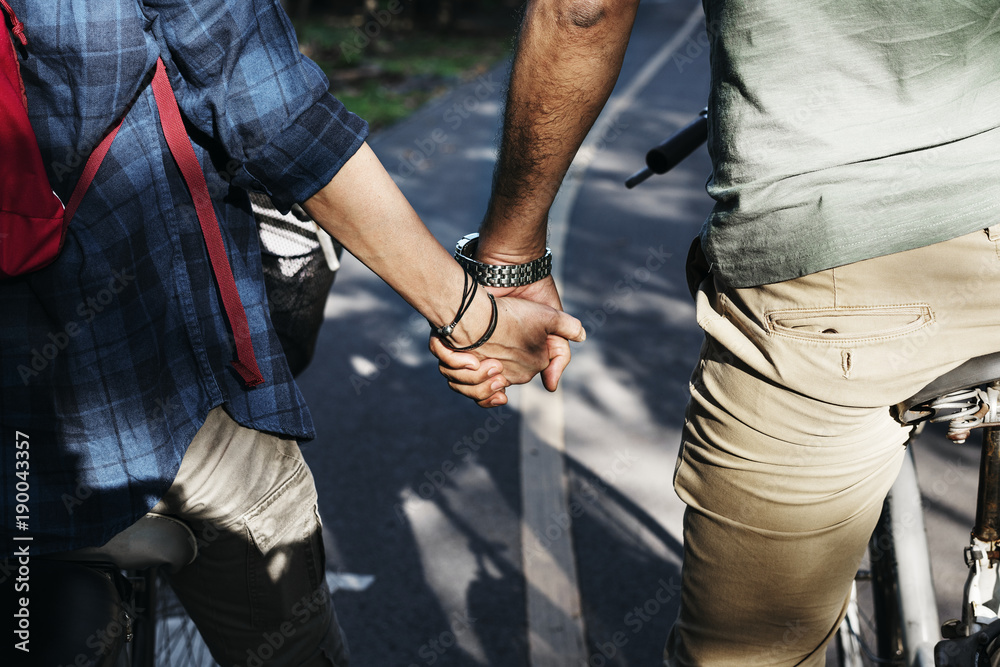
<point x="993" y="232"/>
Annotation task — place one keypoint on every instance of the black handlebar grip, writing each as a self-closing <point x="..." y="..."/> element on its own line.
<point x="670" y="153"/>
<point x="682" y="143"/>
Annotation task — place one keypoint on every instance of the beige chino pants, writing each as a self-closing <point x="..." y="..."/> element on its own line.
<point x="789" y="445"/>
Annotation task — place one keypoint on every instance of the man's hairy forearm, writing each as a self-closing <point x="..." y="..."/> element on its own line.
<point x="568" y="57"/>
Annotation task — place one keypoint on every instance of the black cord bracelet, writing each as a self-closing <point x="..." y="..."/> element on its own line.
<point x="468" y="295"/>
<point x="494" y="317"/>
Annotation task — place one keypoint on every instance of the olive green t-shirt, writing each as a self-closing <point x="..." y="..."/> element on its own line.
<point x="848" y="129"/>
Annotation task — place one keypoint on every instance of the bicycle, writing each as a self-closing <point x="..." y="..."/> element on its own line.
<point x="133" y="617"/>
<point x="892" y="616"/>
<point x="905" y="621"/>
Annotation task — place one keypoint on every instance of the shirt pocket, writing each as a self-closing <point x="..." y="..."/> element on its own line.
<point x="855" y="324"/>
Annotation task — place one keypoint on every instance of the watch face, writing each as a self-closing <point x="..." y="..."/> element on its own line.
<point x="466" y="245"/>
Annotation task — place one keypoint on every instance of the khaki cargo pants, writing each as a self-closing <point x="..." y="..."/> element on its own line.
<point x="257" y="590"/>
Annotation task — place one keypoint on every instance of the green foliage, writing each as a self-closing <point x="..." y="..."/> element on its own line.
<point x="384" y="70"/>
<point x="381" y="106"/>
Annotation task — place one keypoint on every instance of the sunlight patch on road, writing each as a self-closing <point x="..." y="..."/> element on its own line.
<point x="450" y="543"/>
<point x="348" y="581"/>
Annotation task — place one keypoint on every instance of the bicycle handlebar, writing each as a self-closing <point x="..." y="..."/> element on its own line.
<point x="666" y="156"/>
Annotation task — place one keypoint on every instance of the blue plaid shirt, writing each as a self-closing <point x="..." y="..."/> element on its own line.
<point x="112" y="356"/>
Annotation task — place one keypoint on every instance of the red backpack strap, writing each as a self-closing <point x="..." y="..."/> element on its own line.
<point x="16" y="26"/>
<point x="89" y="171"/>
<point x="180" y="147"/>
<point x="16" y="29"/>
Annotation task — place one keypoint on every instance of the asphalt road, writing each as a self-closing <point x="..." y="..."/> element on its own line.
<point x="419" y="488"/>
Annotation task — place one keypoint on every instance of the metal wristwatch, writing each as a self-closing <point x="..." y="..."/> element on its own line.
<point x="501" y="275"/>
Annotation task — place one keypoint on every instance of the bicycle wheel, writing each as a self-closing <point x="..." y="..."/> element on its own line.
<point x="167" y="637"/>
<point x="871" y="634"/>
<point x="892" y="619"/>
<point x="178" y="643"/>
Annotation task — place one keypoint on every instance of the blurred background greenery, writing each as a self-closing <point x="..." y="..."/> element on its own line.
<point x="385" y="58"/>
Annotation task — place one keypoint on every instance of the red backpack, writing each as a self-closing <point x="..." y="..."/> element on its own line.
<point x="33" y="220"/>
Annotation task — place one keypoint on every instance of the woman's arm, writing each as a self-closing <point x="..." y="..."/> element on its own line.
<point x="366" y="212"/>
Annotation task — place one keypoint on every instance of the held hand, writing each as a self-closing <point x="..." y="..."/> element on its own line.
<point x="544" y="292"/>
<point x="530" y="338"/>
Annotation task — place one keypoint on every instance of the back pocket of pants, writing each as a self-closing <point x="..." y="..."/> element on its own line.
<point x="855" y="324"/>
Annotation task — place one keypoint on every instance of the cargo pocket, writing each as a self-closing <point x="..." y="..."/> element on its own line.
<point x="285" y="563"/>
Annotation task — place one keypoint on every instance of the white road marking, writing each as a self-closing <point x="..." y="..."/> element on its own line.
<point x="555" y="618"/>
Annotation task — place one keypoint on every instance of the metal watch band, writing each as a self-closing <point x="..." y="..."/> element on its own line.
<point x="501" y="275"/>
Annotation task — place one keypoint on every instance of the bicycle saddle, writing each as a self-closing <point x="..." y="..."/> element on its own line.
<point x="974" y="372"/>
<point x="155" y="539"/>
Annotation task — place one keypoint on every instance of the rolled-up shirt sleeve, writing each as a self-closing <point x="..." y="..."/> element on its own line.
<point x="240" y="80"/>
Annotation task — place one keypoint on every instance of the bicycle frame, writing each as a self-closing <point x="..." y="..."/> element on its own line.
<point x="961" y="642"/>
<point x="967" y="639"/>
<point x="143" y="645"/>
